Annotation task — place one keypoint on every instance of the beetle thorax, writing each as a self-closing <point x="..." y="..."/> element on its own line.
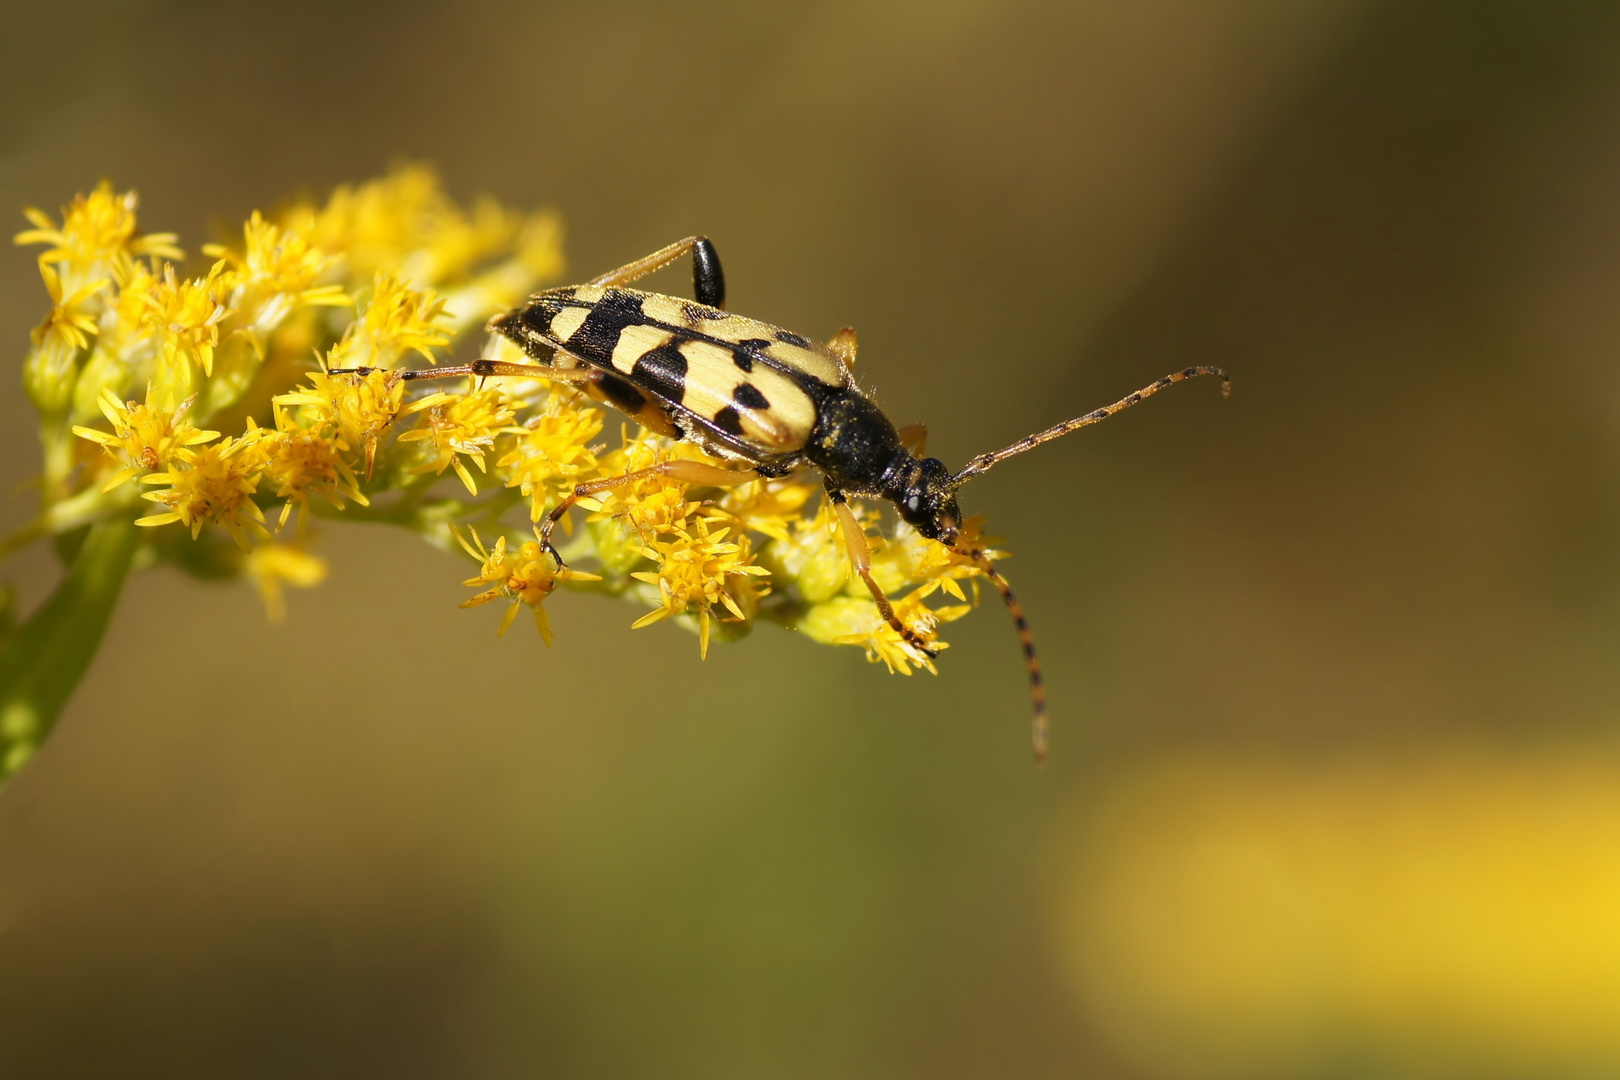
<point x="854" y="444"/>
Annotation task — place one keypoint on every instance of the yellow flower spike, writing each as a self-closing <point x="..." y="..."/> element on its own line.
<point x="553" y="452"/>
<point x="419" y="270"/>
<point x="185" y="315"/>
<point x="698" y="567"/>
<point x="526" y="576"/>
<point x="275" y="566"/>
<point x="460" y="425"/>
<point x="144" y="437"/>
<point x="215" y="483"/>
<point x="97" y="234"/>
<point x="356" y="410"/>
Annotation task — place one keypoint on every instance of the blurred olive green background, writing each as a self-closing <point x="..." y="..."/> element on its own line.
<point x="1335" y="785"/>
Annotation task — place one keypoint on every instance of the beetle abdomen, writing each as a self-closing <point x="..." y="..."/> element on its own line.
<point x="752" y="384"/>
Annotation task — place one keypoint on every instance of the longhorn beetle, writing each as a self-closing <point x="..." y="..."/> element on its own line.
<point x="764" y="398"/>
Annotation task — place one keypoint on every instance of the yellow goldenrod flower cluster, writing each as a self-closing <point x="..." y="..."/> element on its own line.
<point x="204" y="398"/>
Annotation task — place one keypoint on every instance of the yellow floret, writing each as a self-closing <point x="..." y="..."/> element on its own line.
<point x="275" y="566"/>
<point x="456" y="426"/>
<point x="96" y="236"/>
<point x="396" y="319"/>
<point x="215" y="483"/>
<point x="276" y="270"/>
<point x="699" y="568"/>
<point x="526" y="576"/>
<point x="72" y="318"/>
<point x="554" y="451"/>
<point x="184" y="315"/>
<point x="301" y="462"/>
<point x="354" y="410"/>
<point x="144" y="437"/>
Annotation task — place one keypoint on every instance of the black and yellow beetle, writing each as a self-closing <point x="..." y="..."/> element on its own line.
<point x="764" y="398"/>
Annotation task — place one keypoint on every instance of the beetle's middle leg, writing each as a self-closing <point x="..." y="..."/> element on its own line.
<point x="682" y="469"/>
<point x="708" y="280"/>
<point x="860" y="557"/>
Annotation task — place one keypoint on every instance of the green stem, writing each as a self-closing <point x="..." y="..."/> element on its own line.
<point x="44" y="659"/>
<point x="59" y="447"/>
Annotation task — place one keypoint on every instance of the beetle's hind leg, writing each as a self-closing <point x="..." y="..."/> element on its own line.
<point x="708" y="279"/>
<point x="682" y="469"/>
<point x="860" y="557"/>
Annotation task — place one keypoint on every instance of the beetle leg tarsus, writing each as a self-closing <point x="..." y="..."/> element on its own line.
<point x="556" y="515"/>
<point x="860" y="558"/>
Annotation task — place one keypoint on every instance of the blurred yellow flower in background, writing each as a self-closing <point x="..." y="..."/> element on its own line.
<point x="1261" y="916"/>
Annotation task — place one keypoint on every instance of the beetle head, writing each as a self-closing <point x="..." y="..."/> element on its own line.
<point x="927" y="500"/>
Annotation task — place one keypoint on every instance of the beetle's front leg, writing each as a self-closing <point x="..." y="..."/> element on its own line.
<point x="481" y="369"/>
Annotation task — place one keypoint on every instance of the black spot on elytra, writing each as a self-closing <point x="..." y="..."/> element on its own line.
<point x="728" y="421"/>
<point x="662" y="371"/>
<point x="538" y="315"/>
<point x="787" y="337"/>
<point x="748" y="396"/>
<point x="620" y="394"/>
<point x="598" y="335"/>
<point x="742" y="352"/>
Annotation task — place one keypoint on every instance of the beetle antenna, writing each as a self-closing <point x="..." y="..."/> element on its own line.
<point x="1037" y="685"/>
<point x="983" y="462"/>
